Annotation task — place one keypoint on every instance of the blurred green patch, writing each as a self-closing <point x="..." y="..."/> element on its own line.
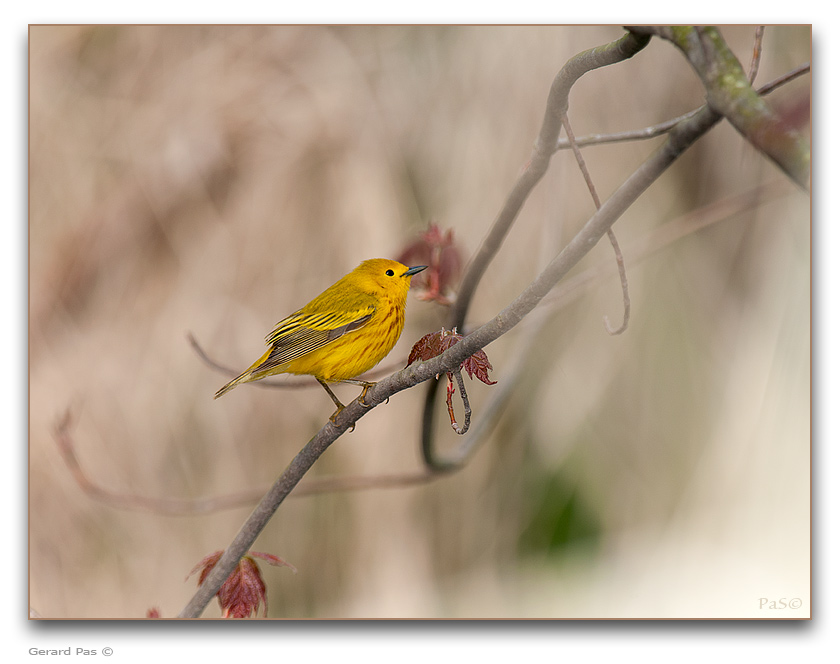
<point x="559" y="519"/>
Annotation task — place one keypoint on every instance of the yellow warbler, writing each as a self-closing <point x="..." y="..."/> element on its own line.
<point x="345" y="331"/>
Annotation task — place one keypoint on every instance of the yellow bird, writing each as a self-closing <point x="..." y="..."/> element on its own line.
<point x="344" y="332"/>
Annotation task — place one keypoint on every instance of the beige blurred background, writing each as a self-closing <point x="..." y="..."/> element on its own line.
<point x="213" y="179"/>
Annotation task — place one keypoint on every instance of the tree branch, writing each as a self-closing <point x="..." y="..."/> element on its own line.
<point x="664" y="127"/>
<point x="730" y="93"/>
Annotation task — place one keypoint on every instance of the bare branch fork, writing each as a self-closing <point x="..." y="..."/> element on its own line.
<point x="679" y="139"/>
<point x="729" y="92"/>
<point x="664" y="127"/>
<point x="544" y="147"/>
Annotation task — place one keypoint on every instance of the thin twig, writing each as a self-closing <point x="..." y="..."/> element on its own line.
<point x="197" y="506"/>
<point x="567" y="127"/>
<point x="664" y="127"/>
<point x="619" y="259"/>
<point x="625" y="288"/>
<point x="166" y="506"/>
<point x="776" y="83"/>
<point x="756" y="56"/>
<point x="450" y="389"/>
<point x="210" y="362"/>
<point x="556" y="106"/>
<point x="331" y="484"/>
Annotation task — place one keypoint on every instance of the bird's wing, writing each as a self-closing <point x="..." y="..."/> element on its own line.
<point x="302" y="333"/>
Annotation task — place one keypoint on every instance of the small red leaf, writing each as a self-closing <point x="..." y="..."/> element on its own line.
<point x="273" y="560"/>
<point x="205" y="565"/>
<point x="437" y="250"/>
<point x="433" y="344"/>
<point x="244" y="590"/>
<point x="478" y="365"/>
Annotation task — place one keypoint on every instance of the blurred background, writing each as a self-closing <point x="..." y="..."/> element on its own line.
<point x="214" y="179"/>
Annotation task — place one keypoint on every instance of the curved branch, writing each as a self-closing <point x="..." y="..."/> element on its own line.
<point x="619" y="258"/>
<point x="625" y="288"/>
<point x="450" y="390"/>
<point x="117" y="500"/>
<point x="556" y="106"/>
<point x="545" y="145"/>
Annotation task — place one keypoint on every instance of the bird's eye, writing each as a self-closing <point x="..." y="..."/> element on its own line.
<point x="390" y="273"/>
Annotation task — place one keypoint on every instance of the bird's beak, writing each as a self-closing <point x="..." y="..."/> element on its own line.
<point x="414" y="270"/>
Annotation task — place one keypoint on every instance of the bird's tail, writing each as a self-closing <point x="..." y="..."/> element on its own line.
<point x="242" y="378"/>
<point x="246" y="376"/>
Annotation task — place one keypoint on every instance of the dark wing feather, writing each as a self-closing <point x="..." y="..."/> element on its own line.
<point x="300" y="334"/>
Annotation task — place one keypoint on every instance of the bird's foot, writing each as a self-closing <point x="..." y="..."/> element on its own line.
<point x="361" y="399"/>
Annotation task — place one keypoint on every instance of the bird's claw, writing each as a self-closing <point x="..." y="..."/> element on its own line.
<point x="335" y="415"/>
<point x="362" y="396"/>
